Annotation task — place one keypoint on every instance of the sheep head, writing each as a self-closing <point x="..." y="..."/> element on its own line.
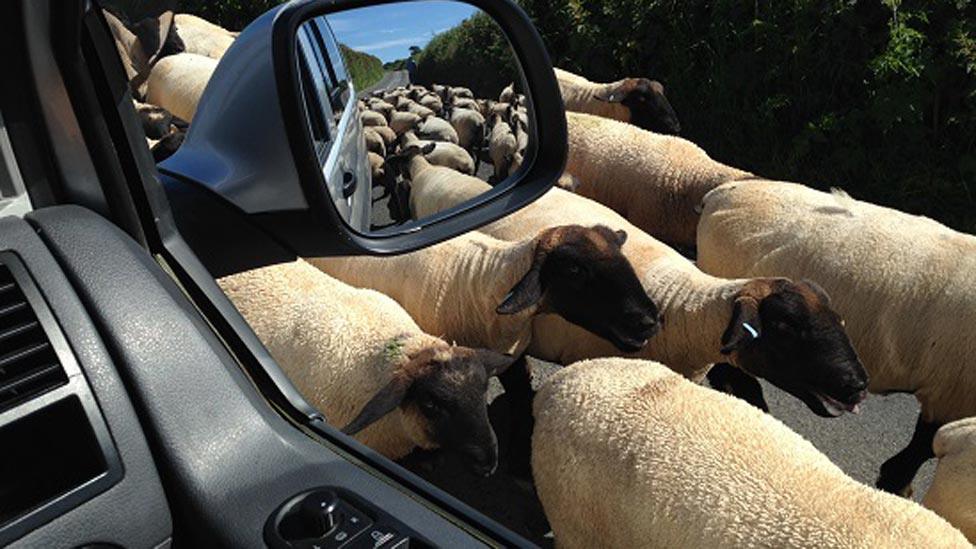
<point x="787" y="333"/>
<point x="581" y="274"/>
<point x="440" y="391"/>
<point x="649" y="107"/>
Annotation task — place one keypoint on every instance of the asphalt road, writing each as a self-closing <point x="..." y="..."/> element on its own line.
<point x="390" y="80"/>
<point x="858" y="444"/>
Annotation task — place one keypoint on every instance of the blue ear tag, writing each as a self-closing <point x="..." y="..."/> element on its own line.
<point x="751" y="330"/>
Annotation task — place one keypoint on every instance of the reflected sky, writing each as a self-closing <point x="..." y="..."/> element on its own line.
<point x="388" y="31"/>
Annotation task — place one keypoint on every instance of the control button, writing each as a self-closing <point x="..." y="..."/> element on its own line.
<point x="384" y="537"/>
<point x="354" y="521"/>
<point x="319" y="509"/>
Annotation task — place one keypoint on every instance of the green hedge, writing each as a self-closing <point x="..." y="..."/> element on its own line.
<point x="364" y="69"/>
<point x="474" y="54"/>
<point x="875" y="96"/>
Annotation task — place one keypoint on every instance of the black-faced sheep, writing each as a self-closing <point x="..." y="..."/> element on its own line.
<point x="637" y="101"/>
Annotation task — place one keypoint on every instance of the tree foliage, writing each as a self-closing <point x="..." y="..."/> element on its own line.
<point x="875" y="96"/>
<point x="364" y="69"/>
<point x="474" y="54"/>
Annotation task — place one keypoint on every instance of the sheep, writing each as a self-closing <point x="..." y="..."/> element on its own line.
<point x="470" y="127"/>
<point x="176" y="83"/>
<point x="748" y="322"/>
<point x="502" y="145"/>
<point x="141" y="46"/>
<point x="372" y="119"/>
<point x="952" y="489"/>
<point x="402" y="122"/>
<point x="365" y="364"/>
<point x="627" y="453"/>
<point x="636" y="101"/>
<point x="432" y="102"/>
<point x="437" y="129"/>
<point x="465" y="103"/>
<point x="443" y="154"/>
<point x="155" y="120"/>
<point x="507" y="94"/>
<point x="655" y="181"/>
<point x="377" y="167"/>
<point x="202" y="37"/>
<point x="374" y="142"/>
<point x="902" y="282"/>
<point x="387" y="134"/>
<point x="164" y="147"/>
<point x="457" y="91"/>
<point x="409" y="106"/>
<point x="484" y="292"/>
<point x="382" y="107"/>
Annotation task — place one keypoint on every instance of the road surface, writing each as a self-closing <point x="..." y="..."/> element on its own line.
<point x="858" y="444"/>
<point x="391" y="79"/>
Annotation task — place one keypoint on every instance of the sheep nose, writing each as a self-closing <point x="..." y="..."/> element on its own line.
<point x="646" y="321"/>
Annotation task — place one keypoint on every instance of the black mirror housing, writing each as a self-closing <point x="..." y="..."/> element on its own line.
<point x="250" y="144"/>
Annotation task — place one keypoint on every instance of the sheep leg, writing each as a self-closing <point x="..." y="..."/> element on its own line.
<point x="518" y="389"/>
<point x="898" y="472"/>
<point x="729" y="379"/>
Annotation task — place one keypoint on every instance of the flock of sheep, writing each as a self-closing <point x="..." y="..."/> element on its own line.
<point x="825" y="296"/>
<point x="449" y="128"/>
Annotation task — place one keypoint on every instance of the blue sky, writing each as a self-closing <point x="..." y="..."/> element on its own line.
<point x="388" y="31"/>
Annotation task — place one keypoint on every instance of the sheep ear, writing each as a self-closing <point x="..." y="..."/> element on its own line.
<point x="495" y="363"/>
<point x="428" y="148"/>
<point x="744" y="327"/>
<point x="382" y="403"/>
<point x="621" y="236"/>
<point x="610" y="95"/>
<point x="817" y="289"/>
<point x="526" y="293"/>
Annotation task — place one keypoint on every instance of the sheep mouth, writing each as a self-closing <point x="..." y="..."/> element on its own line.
<point x="821" y="403"/>
<point x="631" y="341"/>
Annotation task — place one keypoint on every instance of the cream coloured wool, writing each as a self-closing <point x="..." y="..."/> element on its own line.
<point x="177" y="82"/>
<point x="469" y="125"/>
<point x="626" y="453"/>
<point x="502" y="146"/>
<point x="202" y="37"/>
<point x="437" y="129"/>
<point x="339" y="345"/>
<point x="953" y="491"/>
<point x="447" y="155"/>
<point x="653" y="180"/>
<point x="374" y="142"/>
<point x="372" y="119"/>
<point x="402" y="122"/>
<point x="579" y="95"/>
<point x="696" y="307"/>
<point x="451" y="289"/>
<point x="903" y="283"/>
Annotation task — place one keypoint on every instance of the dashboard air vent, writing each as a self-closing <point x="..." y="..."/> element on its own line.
<point x="28" y="363"/>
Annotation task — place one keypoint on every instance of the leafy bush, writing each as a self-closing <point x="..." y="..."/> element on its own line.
<point x="875" y="96"/>
<point x="474" y="54"/>
<point x="364" y="69"/>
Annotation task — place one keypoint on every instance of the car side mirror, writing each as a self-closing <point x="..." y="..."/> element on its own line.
<point x="371" y="126"/>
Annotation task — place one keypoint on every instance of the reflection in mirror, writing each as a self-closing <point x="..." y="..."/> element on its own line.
<point x="415" y="107"/>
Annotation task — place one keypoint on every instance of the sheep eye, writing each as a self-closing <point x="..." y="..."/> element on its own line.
<point x="574" y="270"/>
<point x="429" y="407"/>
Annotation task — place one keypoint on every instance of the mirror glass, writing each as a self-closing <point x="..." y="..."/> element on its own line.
<point x="414" y="108"/>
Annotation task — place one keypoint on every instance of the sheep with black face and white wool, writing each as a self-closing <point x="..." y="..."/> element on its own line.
<point x="627" y="453"/>
<point x="655" y="181"/>
<point x="365" y="364"/>
<point x="502" y="146"/>
<point x="380" y="106"/>
<point x="177" y="82"/>
<point x="636" y="101"/>
<point x="434" y="128"/>
<point x="202" y="37"/>
<point x="432" y="102"/>
<point x="954" y="485"/>
<point x="902" y="282"/>
<point x="140" y="45"/>
<point x="470" y="127"/>
<point x="775" y="328"/>
<point x="484" y="292"/>
<point x="372" y="119"/>
<point x="407" y="105"/>
<point x="447" y="155"/>
<point x="402" y="122"/>
<point x="374" y="142"/>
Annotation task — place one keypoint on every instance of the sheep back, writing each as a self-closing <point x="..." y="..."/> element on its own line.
<point x="953" y="491"/>
<point x="626" y="453"/>
<point x="903" y="283"/>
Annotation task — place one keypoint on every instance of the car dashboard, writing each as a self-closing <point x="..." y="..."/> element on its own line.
<point x="138" y="427"/>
